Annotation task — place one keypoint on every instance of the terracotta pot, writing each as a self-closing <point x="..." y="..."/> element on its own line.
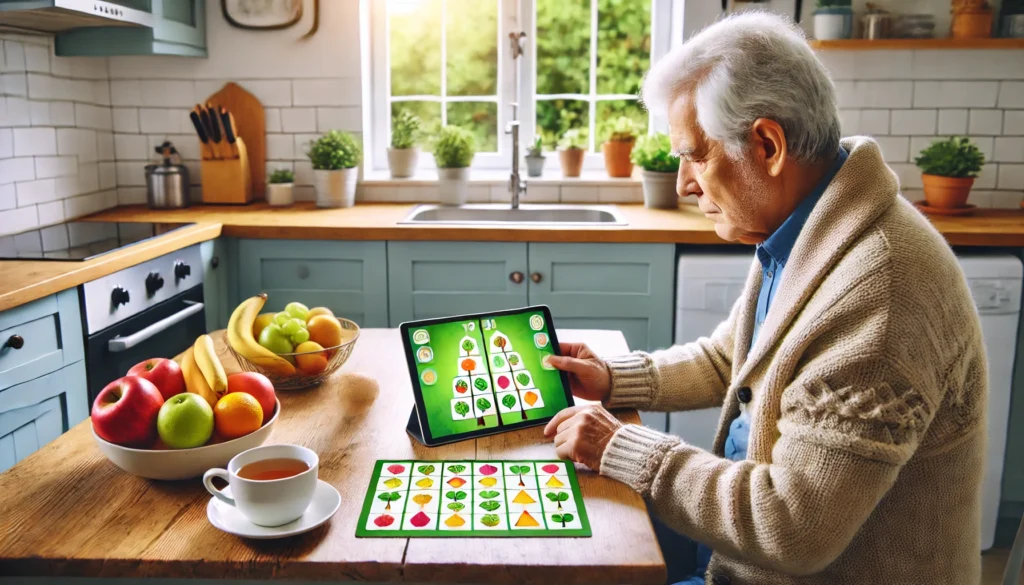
<point x="972" y="25"/>
<point x="616" y="158"/>
<point x="946" y="192"/>
<point x="572" y="161"/>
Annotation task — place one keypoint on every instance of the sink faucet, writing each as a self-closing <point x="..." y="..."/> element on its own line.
<point x="516" y="185"/>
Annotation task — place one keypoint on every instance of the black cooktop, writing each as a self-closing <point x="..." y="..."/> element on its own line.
<point x="79" y="240"/>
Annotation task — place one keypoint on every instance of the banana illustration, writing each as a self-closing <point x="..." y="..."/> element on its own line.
<point x="209" y="364"/>
<point x="241" y="339"/>
<point x="194" y="380"/>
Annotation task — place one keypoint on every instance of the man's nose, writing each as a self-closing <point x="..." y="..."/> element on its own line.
<point x="686" y="183"/>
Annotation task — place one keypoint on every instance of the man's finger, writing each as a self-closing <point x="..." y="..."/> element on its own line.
<point x="570" y="422"/>
<point x="564" y="451"/>
<point x="550" y="428"/>
<point x="570" y="349"/>
<point x="569" y="364"/>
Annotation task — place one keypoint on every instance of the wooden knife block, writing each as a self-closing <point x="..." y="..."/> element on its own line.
<point x="227" y="181"/>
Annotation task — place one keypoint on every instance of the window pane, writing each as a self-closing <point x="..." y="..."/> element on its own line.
<point x="554" y="117"/>
<point x="430" y="119"/>
<point x="415" y="51"/>
<point x="481" y="118"/>
<point x="609" y="111"/>
<point x="623" y="45"/>
<point x="472" y="38"/>
<point x="563" y="46"/>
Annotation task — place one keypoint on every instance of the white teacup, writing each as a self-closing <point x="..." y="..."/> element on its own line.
<point x="270" y="502"/>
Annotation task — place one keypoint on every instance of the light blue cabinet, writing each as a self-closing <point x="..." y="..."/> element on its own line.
<point x="438" y="279"/>
<point x="179" y="28"/>
<point x="215" y="283"/>
<point x="350" y="278"/>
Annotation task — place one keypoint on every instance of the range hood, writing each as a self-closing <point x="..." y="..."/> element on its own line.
<point x="51" y="16"/>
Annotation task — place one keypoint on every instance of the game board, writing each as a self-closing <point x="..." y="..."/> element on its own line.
<point x="473" y="498"/>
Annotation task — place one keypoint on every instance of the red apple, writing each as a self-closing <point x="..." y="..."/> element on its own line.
<point x="165" y="374"/>
<point x="125" y="412"/>
<point x="257" y="386"/>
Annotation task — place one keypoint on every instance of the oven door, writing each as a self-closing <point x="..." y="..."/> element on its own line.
<point x="164" y="330"/>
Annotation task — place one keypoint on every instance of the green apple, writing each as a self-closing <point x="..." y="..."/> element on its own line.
<point x="297" y="310"/>
<point x="274" y="339"/>
<point x="185" y="421"/>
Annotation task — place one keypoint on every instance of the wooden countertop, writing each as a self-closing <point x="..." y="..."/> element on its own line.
<point x="66" y="510"/>
<point x="25" y="281"/>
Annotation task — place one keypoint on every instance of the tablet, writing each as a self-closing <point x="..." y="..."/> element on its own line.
<point x="476" y="375"/>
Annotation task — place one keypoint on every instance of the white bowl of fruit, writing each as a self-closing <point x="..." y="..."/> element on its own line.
<point x="164" y="421"/>
<point x="296" y="348"/>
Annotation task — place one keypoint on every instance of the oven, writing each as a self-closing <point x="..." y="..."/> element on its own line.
<point x="154" y="309"/>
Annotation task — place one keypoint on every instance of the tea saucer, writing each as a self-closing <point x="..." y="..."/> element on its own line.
<point x="326" y="501"/>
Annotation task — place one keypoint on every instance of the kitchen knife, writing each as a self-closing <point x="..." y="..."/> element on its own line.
<point x="228" y="122"/>
<point x="222" y="149"/>
<point x="204" y="140"/>
<point x="205" y="118"/>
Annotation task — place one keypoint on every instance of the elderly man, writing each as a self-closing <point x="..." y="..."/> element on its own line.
<point x="851" y="372"/>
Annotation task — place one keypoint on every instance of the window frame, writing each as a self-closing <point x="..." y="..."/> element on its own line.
<point x="513" y="15"/>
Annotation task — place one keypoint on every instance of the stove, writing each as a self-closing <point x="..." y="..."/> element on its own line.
<point x="79" y="240"/>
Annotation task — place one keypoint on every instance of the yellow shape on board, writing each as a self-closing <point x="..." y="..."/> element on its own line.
<point x="489" y="482"/>
<point x="523" y="498"/>
<point x="530" y="398"/>
<point x="422" y="499"/>
<point x="425" y="482"/>
<point x="526" y="520"/>
<point x="456" y="482"/>
<point x="454" y="521"/>
<point x="554" y="483"/>
<point x="393" y="482"/>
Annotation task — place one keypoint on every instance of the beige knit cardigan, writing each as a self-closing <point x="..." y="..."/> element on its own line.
<point x="868" y="419"/>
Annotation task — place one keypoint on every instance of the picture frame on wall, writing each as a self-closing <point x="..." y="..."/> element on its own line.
<point x="262" y="14"/>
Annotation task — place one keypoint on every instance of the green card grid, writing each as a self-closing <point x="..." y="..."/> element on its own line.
<point x="477" y="501"/>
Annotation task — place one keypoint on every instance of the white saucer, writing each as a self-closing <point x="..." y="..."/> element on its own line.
<point x="325" y="503"/>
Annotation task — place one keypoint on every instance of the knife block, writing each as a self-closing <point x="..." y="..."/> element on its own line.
<point x="227" y="181"/>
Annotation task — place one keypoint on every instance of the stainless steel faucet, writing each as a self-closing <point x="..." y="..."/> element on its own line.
<point x="516" y="185"/>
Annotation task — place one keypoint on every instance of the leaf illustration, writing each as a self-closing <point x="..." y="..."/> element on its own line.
<point x="558" y="498"/>
<point x="456" y="469"/>
<point x="389" y="497"/>
<point x="490" y="520"/>
<point x="515" y="469"/>
<point x="456" y="496"/>
<point x="491" y="505"/>
<point x="523" y="379"/>
<point x="509" y="400"/>
<point x="456" y="507"/>
<point x="422" y="499"/>
<point x="562" y="518"/>
<point x="513" y="359"/>
<point x="468" y="345"/>
<point x="480" y="383"/>
<point x="488" y="495"/>
<point x="483" y="403"/>
<point x="425" y="469"/>
<point x="499" y="361"/>
<point x="461" y="408"/>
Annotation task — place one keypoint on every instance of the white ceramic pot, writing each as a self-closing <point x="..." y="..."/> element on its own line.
<point x="454" y="186"/>
<point x="660" y="190"/>
<point x="830" y="27"/>
<point x="279" y="194"/>
<point x="402" y="161"/>
<point x="335" y="188"/>
<point x="534" y="166"/>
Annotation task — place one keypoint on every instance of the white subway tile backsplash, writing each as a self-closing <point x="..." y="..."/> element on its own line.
<point x="895" y="65"/>
<point x="125" y="119"/>
<point x="630" y="194"/>
<point x="48" y="167"/>
<point x="131" y="174"/>
<point x="37" y="58"/>
<point x="874" y="122"/>
<point x="1007" y="199"/>
<point x="849" y="121"/>
<point x="980" y="198"/>
<point x="8" y="193"/>
<point x="38" y="191"/>
<point x="952" y="122"/>
<point x="986" y="144"/>
<point x="909" y="175"/>
<point x="1011" y="94"/>
<point x="166" y="93"/>
<point x="1013" y="122"/>
<point x="914" y="122"/>
<point x="539" y="194"/>
<point x="131" y="147"/>
<point x="107" y="175"/>
<point x="919" y="143"/>
<point x="17" y="220"/>
<point x="1009" y="149"/>
<point x="347" y="119"/>
<point x="104" y="147"/>
<point x="987" y="177"/>
<point x="18" y="113"/>
<point x="88" y="178"/>
<point x="35" y="141"/>
<point x="1011" y="177"/>
<point x="14" y="53"/>
<point x="578" y="194"/>
<point x="164" y="121"/>
<point x="86" y="204"/>
<point x="271" y="93"/>
<point x="966" y="64"/>
<point x="326" y="92"/>
<point x="50" y="213"/>
<point x="303" y="170"/>
<point x="273" y="119"/>
<point x="96" y="117"/>
<point x="280" y="147"/>
<point x="39" y="113"/>
<point x="874" y="94"/>
<point x="298" y="119"/>
<point x="101" y="92"/>
<point x="62" y="113"/>
<point x="986" y="122"/>
<point x="955" y="94"/>
<point x="894" y="148"/>
<point x="15" y="84"/>
<point x="77" y="141"/>
<point x="124" y="92"/>
<point x="301" y="146"/>
<point x="13" y="170"/>
<point x="131" y="195"/>
<point x="6" y="141"/>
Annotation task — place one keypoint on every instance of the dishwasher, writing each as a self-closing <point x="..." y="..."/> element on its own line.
<point x="709" y="284"/>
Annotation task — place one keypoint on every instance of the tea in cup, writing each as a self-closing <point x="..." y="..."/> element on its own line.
<point x="270" y="485"/>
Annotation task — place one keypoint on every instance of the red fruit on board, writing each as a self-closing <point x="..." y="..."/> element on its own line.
<point x="396" y="469"/>
<point x="384" y="520"/>
<point x="551" y="468"/>
<point x="419" y="520"/>
<point x="488" y="469"/>
<point x="259" y="387"/>
<point x="125" y="412"/>
<point x="165" y="374"/>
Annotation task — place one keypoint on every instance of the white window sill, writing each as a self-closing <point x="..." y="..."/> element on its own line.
<point x="491" y="177"/>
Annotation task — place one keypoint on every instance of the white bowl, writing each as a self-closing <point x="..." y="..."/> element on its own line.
<point x="183" y="463"/>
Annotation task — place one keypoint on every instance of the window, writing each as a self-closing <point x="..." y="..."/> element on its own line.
<point x="450" y="62"/>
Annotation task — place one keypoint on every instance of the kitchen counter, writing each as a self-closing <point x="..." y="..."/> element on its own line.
<point x="68" y="511"/>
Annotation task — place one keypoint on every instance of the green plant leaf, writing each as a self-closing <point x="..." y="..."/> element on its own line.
<point x="509" y="400"/>
<point x="490" y="505"/>
<point x="461" y="408"/>
<point x="456" y="507"/>
<point x="577" y="138"/>
<point x="567" y="518"/>
<point x="480" y="383"/>
<point x="483" y="403"/>
<point x="513" y="359"/>
<point x="456" y="496"/>
<point x="523" y="378"/>
<point x="389" y="496"/>
<point x="956" y="157"/>
<point x="405" y="130"/>
<point x="490" y="520"/>
<point x="280" y="176"/>
<point x="499" y="361"/>
<point x="654" y="153"/>
<point x="335" y="150"/>
<point x="425" y="469"/>
<point x="454" y="148"/>
<point x="467" y="345"/>
<point x="456" y="469"/>
<point x="489" y="494"/>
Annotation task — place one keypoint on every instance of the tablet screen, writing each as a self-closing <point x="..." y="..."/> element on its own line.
<point x="486" y="372"/>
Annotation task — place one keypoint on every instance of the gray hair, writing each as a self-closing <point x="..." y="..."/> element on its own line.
<point x="749" y="66"/>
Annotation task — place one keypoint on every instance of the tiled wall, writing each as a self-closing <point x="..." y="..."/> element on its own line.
<point x="56" y="144"/>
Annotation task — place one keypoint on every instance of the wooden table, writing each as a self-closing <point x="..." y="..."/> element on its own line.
<point x="68" y="511"/>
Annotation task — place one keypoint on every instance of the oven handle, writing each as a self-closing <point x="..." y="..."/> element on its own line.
<point x="123" y="343"/>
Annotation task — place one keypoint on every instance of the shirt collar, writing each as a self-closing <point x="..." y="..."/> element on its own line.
<point x="778" y="246"/>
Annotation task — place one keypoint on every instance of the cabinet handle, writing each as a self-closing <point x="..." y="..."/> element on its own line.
<point x="536" y="277"/>
<point x="15" y="342"/>
<point x="516" y="277"/>
<point x="303" y="272"/>
<point x="215" y="262"/>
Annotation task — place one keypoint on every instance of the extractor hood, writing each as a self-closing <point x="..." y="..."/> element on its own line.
<point x="50" y="16"/>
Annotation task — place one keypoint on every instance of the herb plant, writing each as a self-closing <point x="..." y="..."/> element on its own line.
<point x="405" y="130"/>
<point x="575" y="138"/>
<point x="654" y="153"/>
<point x="281" y="176"/>
<point x="335" y="150"/>
<point x="622" y="129"/>
<point x="537" y="149"/>
<point x="956" y="157"/>
<point x="454" y="148"/>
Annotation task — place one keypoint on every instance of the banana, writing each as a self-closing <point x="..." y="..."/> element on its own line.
<point x="209" y="364"/>
<point x="241" y="339"/>
<point x="194" y="380"/>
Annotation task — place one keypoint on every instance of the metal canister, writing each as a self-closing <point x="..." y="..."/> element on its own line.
<point x="877" y="25"/>
<point x="167" y="186"/>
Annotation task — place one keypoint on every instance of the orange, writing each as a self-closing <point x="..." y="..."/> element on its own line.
<point x="261" y="321"/>
<point x="316" y="311"/>
<point x="236" y="415"/>
<point x="325" y="330"/>
<point x="313" y="363"/>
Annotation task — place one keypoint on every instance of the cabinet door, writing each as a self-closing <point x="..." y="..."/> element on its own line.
<point x="215" y="283"/>
<point x="349" y="278"/>
<point x="36" y="412"/>
<point x="179" y="28"/>
<point x="627" y="287"/>
<point x="180" y="25"/>
<point x="438" y="279"/>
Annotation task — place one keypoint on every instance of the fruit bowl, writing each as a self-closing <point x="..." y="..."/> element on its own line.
<point x="335" y="356"/>
<point x="183" y="463"/>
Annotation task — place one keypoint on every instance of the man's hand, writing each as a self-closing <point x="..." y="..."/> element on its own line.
<point x="589" y="377"/>
<point x="582" y="433"/>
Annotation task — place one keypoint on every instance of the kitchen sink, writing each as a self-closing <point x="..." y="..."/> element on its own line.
<point x="500" y="214"/>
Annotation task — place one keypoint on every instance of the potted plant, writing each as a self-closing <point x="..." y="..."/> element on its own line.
<point x="619" y="146"/>
<point x="335" y="157"/>
<point x="453" y="152"/>
<point x="279" y="189"/>
<point x="653" y="154"/>
<point x="1012" y="19"/>
<point x="403" y="154"/>
<point x="572" y="148"/>
<point x="972" y="19"/>
<point x="535" y="159"/>
<point x="949" y="168"/>
<point x="833" y="20"/>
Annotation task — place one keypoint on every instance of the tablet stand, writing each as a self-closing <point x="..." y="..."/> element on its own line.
<point x="413" y="427"/>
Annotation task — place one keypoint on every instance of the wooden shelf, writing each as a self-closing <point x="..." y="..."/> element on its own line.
<point x="916" y="44"/>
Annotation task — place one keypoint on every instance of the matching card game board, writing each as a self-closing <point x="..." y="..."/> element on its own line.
<point x="473" y="498"/>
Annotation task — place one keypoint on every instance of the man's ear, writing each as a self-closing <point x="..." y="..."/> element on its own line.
<point x="769" y="141"/>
